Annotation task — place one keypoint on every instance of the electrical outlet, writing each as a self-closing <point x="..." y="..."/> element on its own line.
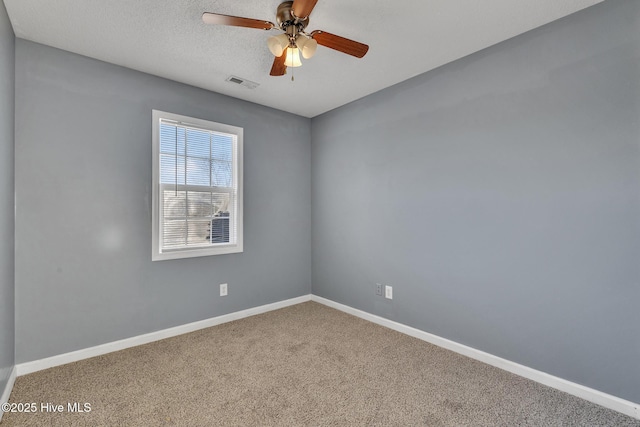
<point x="223" y="290"/>
<point x="378" y="289"/>
<point x="388" y="292"/>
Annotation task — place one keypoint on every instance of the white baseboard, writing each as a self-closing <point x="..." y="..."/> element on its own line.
<point x="6" y="393"/>
<point x="603" y="399"/>
<point x="74" y="356"/>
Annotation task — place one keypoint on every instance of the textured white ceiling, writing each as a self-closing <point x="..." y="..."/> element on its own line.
<point x="167" y="38"/>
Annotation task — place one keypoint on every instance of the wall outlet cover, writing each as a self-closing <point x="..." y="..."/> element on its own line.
<point x="388" y="292"/>
<point x="223" y="289"/>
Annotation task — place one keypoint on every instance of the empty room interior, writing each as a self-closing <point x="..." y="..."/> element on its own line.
<point x="320" y="213"/>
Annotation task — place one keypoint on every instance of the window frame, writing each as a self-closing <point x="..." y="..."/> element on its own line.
<point x="157" y="209"/>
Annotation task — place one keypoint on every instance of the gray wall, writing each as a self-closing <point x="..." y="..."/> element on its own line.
<point x="84" y="274"/>
<point x="7" y="67"/>
<point x="500" y="196"/>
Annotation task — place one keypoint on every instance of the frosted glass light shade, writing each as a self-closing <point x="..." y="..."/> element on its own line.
<point x="293" y="57"/>
<point x="277" y="44"/>
<point x="307" y="46"/>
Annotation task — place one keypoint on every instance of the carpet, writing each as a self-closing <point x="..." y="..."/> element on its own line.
<point x="304" y="365"/>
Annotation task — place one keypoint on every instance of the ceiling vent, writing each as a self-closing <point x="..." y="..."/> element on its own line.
<point x="243" y="82"/>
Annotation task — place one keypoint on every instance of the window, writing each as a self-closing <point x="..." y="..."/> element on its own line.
<point x="197" y="187"/>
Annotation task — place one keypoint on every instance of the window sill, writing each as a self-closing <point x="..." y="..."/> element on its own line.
<point x="199" y="252"/>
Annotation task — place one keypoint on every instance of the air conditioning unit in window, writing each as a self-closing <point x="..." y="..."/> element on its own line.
<point x="219" y="228"/>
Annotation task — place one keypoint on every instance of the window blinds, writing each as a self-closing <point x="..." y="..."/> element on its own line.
<point x="198" y="187"/>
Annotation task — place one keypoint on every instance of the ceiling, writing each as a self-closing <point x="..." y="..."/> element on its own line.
<point x="167" y="38"/>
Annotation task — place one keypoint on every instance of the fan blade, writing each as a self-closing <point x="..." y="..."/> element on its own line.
<point x="278" y="68"/>
<point x="236" y="21"/>
<point x="340" y="44"/>
<point x="302" y="8"/>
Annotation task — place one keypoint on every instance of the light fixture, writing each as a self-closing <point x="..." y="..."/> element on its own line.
<point x="277" y="44"/>
<point x="293" y="57"/>
<point x="307" y="46"/>
<point x="303" y="44"/>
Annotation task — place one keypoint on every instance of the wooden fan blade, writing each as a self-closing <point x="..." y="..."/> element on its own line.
<point x="236" y="21"/>
<point x="278" y="68"/>
<point x="340" y="44"/>
<point x="302" y="8"/>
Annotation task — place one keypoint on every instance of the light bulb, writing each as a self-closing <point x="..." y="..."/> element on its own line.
<point x="277" y="44"/>
<point x="293" y="57"/>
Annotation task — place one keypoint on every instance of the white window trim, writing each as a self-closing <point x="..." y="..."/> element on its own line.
<point x="157" y="254"/>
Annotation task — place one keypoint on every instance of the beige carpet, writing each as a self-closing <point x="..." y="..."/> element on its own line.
<point x="303" y="365"/>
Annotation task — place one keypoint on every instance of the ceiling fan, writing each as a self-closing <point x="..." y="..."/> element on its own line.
<point x="292" y="17"/>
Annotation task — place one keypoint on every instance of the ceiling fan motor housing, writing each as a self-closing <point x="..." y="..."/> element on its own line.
<point x="286" y="19"/>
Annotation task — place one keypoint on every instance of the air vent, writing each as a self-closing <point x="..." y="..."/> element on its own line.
<point x="243" y="82"/>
